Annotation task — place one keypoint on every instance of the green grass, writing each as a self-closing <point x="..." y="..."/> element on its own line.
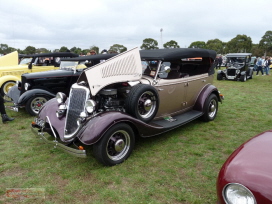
<point x="180" y="166"/>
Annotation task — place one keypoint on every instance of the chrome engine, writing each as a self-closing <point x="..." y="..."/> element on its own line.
<point x="112" y="99"/>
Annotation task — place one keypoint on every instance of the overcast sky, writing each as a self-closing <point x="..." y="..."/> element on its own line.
<point x="52" y="24"/>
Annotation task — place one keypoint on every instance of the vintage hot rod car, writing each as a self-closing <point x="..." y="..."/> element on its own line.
<point x="35" y="89"/>
<point x="246" y="175"/>
<point x="237" y="67"/>
<point x="136" y="93"/>
<point x="11" y="73"/>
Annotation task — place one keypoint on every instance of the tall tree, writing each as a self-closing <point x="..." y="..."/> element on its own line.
<point x="266" y="42"/>
<point x="241" y="43"/>
<point x="216" y="45"/>
<point x="171" y="44"/>
<point x="42" y="50"/>
<point x="63" y="49"/>
<point x="116" y="48"/>
<point x="76" y="50"/>
<point x="198" y="44"/>
<point x="30" y="50"/>
<point x="149" y="44"/>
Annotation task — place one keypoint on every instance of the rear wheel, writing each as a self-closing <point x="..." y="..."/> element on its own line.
<point x="210" y="108"/>
<point x="115" y="146"/>
<point x="6" y="86"/>
<point x="34" y="104"/>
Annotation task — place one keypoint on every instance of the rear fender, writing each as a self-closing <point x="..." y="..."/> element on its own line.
<point x="205" y="93"/>
<point x="34" y="92"/>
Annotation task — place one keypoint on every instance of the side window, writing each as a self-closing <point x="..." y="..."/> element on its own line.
<point x="162" y="73"/>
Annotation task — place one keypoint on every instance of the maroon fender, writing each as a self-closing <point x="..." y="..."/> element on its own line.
<point x="207" y="90"/>
<point x="96" y="127"/>
<point x="49" y="109"/>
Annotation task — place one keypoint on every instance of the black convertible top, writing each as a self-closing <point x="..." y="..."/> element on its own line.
<point x="176" y="53"/>
<point x="90" y="57"/>
<point x="54" y="54"/>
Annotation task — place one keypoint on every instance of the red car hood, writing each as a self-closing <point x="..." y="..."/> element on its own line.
<point x="251" y="166"/>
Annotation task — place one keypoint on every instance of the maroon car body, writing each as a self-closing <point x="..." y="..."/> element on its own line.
<point x="250" y="168"/>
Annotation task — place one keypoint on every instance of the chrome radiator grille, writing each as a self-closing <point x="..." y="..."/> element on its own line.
<point x="77" y="99"/>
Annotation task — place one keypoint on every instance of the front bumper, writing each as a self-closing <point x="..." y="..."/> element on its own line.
<point x="69" y="150"/>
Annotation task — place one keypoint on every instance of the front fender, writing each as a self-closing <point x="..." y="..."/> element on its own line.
<point x="208" y="90"/>
<point x="34" y="92"/>
<point x="95" y="128"/>
<point x="6" y="78"/>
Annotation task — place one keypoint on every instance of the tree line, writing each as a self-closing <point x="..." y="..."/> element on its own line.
<point x="239" y="44"/>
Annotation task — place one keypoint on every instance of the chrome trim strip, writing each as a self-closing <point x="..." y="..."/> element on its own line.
<point x="69" y="150"/>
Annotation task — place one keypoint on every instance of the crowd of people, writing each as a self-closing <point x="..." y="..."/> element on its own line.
<point x="262" y="64"/>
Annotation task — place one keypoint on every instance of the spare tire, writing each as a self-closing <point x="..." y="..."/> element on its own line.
<point x="142" y="102"/>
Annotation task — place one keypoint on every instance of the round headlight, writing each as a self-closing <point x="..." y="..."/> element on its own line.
<point x="27" y="85"/>
<point x="237" y="193"/>
<point x="90" y="106"/>
<point x="61" y="97"/>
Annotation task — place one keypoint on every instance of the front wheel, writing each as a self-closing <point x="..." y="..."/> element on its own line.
<point x="219" y="76"/>
<point x="34" y="104"/>
<point x="210" y="108"/>
<point x="6" y="86"/>
<point x="115" y="146"/>
<point x="243" y="78"/>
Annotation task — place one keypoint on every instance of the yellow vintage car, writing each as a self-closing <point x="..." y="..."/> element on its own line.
<point x="12" y="66"/>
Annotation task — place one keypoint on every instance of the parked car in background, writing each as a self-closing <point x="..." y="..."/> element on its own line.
<point x="237" y="67"/>
<point x="12" y="71"/>
<point x="35" y="89"/>
<point x="136" y="93"/>
<point x="246" y="175"/>
<point x="252" y="63"/>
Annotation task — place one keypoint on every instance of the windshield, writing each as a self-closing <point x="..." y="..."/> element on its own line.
<point x="25" y="60"/>
<point x="68" y="65"/>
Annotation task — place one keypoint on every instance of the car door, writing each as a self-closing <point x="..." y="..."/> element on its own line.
<point x="172" y="94"/>
<point x="194" y="86"/>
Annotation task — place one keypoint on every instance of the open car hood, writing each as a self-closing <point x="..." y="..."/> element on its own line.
<point x="120" y="68"/>
<point x="10" y="59"/>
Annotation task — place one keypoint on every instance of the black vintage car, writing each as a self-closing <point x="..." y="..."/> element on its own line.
<point x="35" y="89"/>
<point x="237" y="67"/>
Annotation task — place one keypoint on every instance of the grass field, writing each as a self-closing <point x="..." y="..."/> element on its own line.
<point x="180" y="166"/>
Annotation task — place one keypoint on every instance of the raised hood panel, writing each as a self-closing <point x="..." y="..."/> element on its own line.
<point x="10" y="59"/>
<point x="121" y="68"/>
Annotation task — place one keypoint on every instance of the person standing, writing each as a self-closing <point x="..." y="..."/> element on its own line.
<point x="4" y="115"/>
<point x="265" y="65"/>
<point x="260" y="65"/>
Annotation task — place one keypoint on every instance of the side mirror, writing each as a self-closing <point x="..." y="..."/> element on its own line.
<point x="30" y="66"/>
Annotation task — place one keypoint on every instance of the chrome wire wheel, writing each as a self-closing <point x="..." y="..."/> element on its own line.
<point x="34" y="105"/>
<point x="118" y="145"/>
<point x="147" y="104"/>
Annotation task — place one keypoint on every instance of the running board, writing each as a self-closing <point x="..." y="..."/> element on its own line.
<point x="178" y="120"/>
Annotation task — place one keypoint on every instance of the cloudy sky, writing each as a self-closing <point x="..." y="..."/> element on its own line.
<point x="52" y="24"/>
